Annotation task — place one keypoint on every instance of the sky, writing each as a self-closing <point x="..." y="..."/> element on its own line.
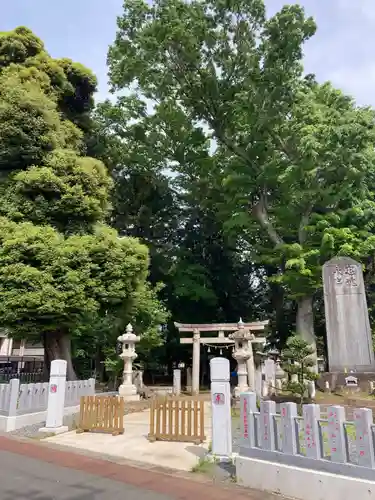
<point x="341" y="51"/>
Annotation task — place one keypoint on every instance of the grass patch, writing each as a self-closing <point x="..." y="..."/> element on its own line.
<point x="204" y="466"/>
<point x="235" y="412"/>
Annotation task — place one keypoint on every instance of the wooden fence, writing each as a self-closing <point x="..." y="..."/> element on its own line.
<point x="177" y="419"/>
<point x="102" y="414"/>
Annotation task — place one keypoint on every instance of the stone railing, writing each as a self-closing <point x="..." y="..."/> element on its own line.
<point x="16" y="398"/>
<point x="308" y="441"/>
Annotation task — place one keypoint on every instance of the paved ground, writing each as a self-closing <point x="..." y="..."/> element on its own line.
<point x="134" y="445"/>
<point x="33" y="471"/>
<point x="31" y="479"/>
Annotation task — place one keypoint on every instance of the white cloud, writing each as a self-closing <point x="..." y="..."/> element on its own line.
<point x="342" y="49"/>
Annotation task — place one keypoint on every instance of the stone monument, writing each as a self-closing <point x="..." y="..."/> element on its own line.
<point x="127" y="389"/>
<point x="349" y="339"/>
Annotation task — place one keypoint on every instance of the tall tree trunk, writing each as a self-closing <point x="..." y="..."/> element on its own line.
<point x="57" y="346"/>
<point x="305" y="321"/>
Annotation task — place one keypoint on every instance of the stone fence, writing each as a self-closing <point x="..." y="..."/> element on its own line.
<point x="329" y="444"/>
<point x="16" y="398"/>
<point x="24" y="404"/>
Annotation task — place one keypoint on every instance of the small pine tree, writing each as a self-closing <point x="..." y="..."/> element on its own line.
<point x="297" y="359"/>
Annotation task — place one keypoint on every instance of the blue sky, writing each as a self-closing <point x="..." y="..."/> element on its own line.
<point x="341" y="51"/>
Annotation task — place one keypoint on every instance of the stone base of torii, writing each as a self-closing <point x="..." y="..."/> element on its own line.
<point x="243" y="336"/>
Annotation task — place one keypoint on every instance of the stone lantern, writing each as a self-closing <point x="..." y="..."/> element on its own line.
<point x="243" y="354"/>
<point x="127" y="389"/>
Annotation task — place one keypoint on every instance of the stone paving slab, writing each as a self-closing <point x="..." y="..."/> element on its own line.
<point x="134" y="445"/>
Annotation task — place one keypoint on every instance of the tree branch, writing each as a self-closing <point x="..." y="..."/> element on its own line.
<point x="260" y="213"/>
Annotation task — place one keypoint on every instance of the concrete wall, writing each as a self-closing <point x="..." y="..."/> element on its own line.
<point x="9" y="424"/>
<point x="301" y="484"/>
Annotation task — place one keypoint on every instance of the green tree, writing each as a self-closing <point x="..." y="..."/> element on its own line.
<point x="68" y="192"/>
<point x="30" y="123"/>
<point x="297" y="359"/>
<point x="160" y="196"/>
<point x="49" y="282"/>
<point x="61" y="266"/>
<point x="294" y="158"/>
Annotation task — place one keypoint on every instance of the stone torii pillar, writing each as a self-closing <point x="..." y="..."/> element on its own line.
<point x="196" y="362"/>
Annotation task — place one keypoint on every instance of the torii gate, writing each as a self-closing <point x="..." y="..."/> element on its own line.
<point x="255" y="328"/>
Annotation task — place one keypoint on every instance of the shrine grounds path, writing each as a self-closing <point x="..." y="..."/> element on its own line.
<point x="34" y="471"/>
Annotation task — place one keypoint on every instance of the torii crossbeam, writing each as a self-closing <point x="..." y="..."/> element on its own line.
<point x="257" y="327"/>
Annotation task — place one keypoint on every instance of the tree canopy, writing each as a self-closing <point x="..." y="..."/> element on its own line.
<point x="215" y="186"/>
<point x="60" y="263"/>
<point x="282" y="162"/>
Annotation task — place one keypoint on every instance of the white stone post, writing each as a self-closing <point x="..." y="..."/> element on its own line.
<point x="177" y="382"/>
<point x="189" y="386"/>
<point x="336" y="434"/>
<point x="267" y="425"/>
<point x="248" y="406"/>
<point x="56" y="398"/>
<point x="363" y="420"/>
<point x="251" y="369"/>
<point x="127" y="389"/>
<point x="288" y="412"/>
<point x="6" y="346"/>
<point x="313" y="444"/>
<point x="221" y="409"/>
<point x="311" y="389"/>
<point x="258" y="379"/>
<point x="196" y="362"/>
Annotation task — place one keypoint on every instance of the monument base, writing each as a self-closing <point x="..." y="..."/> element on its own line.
<point x="128" y="392"/>
<point x="336" y="381"/>
<point x="54" y="430"/>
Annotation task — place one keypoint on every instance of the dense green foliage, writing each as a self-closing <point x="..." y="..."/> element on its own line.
<point x="241" y="175"/>
<point x="63" y="271"/>
<point x="272" y="171"/>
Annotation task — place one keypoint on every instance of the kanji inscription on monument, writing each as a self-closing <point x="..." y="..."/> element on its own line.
<point x="346" y="275"/>
<point x="349" y="339"/>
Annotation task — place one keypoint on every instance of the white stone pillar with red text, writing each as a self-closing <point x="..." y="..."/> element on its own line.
<point x="221" y="410"/>
<point x="127" y="389"/>
<point x="56" y="398"/>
